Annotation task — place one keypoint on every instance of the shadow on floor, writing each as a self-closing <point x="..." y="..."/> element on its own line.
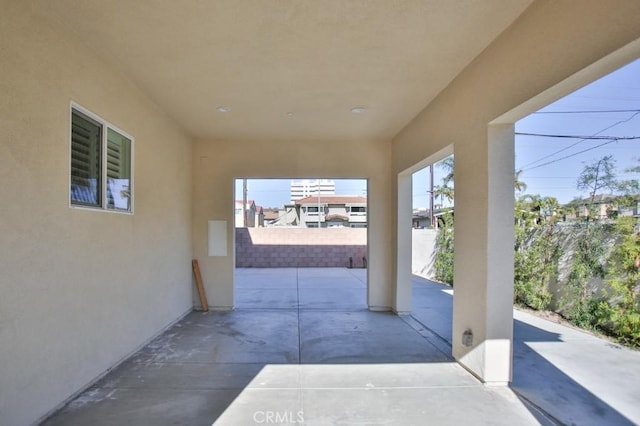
<point x="302" y="347"/>
<point x="536" y="380"/>
<point x="194" y="371"/>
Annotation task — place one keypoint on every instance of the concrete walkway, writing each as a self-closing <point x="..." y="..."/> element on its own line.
<point x="301" y="348"/>
<point x="574" y="376"/>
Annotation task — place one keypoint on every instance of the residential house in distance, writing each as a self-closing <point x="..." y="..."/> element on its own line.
<point x="603" y="206"/>
<point x="259" y="217"/>
<point x="332" y="211"/>
<point x="270" y="215"/>
<point x="421" y="218"/>
<point x="632" y="210"/>
<point x="252" y="212"/>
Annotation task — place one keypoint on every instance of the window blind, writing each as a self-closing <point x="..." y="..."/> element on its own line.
<point x="86" y="135"/>
<point x="118" y="170"/>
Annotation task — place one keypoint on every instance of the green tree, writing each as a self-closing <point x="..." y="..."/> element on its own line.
<point x="536" y="252"/>
<point x="623" y="320"/>
<point x="634" y="169"/>
<point x="445" y="190"/>
<point x="629" y="188"/>
<point x="588" y="262"/>
<point x="448" y="165"/>
<point x="443" y="260"/>
<point x="598" y="176"/>
<point x="518" y="185"/>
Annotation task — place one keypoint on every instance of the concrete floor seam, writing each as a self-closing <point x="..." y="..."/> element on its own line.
<point x="426" y="328"/>
<point x="536" y="407"/>
<point x="440" y="340"/>
<point x="358" y="278"/>
<point x="181" y="389"/>
<point x="478" y="385"/>
<point x="298" y="317"/>
<point x="356" y="366"/>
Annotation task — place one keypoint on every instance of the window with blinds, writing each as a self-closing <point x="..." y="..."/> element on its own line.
<point x="101" y="167"/>
<point x="118" y="171"/>
<point x="86" y="137"/>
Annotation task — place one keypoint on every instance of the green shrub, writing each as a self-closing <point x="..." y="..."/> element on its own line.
<point x="627" y="327"/>
<point x="535" y="265"/>
<point x="443" y="260"/>
<point x="623" y="274"/>
<point x="587" y="263"/>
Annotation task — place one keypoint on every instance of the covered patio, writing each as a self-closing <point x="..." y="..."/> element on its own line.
<point x="300" y="345"/>
<point x="124" y="126"/>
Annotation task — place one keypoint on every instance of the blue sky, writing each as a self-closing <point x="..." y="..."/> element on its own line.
<point x="617" y="91"/>
<point x="545" y="170"/>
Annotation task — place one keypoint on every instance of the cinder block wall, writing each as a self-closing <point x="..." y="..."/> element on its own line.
<point x="300" y="247"/>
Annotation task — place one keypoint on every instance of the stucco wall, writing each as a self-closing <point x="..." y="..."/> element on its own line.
<point x="218" y="163"/>
<point x="300" y="247"/>
<point x="549" y="51"/>
<point x="79" y="290"/>
<point x="423" y="244"/>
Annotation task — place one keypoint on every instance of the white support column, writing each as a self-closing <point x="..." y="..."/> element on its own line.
<point x="483" y="263"/>
<point x="403" y="252"/>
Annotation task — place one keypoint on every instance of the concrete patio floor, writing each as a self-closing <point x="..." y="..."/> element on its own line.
<point x="302" y="348"/>
<point x="574" y="376"/>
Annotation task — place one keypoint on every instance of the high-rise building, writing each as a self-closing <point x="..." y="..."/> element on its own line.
<point x="308" y="187"/>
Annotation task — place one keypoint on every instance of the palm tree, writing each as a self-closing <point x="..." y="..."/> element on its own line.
<point x="519" y="186"/>
<point x="448" y="165"/>
<point x="443" y="191"/>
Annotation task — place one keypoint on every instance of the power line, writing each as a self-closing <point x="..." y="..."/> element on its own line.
<point x="581" y="140"/>
<point x="609" y="98"/>
<point x="619" y="175"/>
<point x="588" y="111"/>
<point x="574" y="154"/>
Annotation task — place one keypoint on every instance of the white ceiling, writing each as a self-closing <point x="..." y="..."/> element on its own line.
<point x="265" y="58"/>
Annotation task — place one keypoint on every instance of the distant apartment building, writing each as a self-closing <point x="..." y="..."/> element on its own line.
<point x="308" y="187"/>
<point x="332" y="211"/>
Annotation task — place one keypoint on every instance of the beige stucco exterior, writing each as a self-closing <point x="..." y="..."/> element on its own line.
<point x="80" y="290"/>
<point x="217" y="163"/>
<point x="544" y="55"/>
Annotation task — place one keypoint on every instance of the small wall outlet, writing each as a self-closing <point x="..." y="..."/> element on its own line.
<point x="467" y="338"/>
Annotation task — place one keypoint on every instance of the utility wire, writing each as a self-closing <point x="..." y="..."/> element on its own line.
<point x="581" y="140"/>
<point x="588" y="111"/>
<point x="580" y="152"/>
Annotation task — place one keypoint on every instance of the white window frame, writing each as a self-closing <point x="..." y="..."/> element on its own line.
<point x="106" y="125"/>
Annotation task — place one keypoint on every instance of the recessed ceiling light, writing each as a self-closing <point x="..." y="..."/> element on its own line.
<point x="358" y="109"/>
<point x="223" y="108"/>
<point x="289" y="114"/>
